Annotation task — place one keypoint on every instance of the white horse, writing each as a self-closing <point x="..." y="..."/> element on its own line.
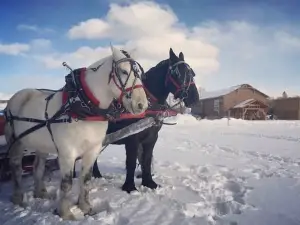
<point x="94" y="89"/>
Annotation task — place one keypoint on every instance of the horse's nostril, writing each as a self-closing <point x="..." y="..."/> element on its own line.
<point x="140" y="105"/>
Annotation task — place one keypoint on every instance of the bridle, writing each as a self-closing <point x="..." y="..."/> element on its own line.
<point x="115" y="76"/>
<point x="187" y="80"/>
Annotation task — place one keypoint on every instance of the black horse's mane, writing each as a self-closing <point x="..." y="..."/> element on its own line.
<point x="159" y="65"/>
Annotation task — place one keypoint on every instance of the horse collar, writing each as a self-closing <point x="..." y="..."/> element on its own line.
<point x="82" y="102"/>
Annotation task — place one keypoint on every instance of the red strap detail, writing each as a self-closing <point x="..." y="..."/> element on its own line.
<point x="131" y="116"/>
<point x="178" y="88"/>
<point x="147" y="112"/>
<point x="129" y="89"/>
<point x="150" y="95"/>
<point x="74" y="116"/>
<point x="174" y="82"/>
<point x="186" y="85"/>
<point x="64" y="97"/>
<point x="86" y="89"/>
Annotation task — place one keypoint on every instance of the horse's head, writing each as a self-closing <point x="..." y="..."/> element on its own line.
<point x="124" y="81"/>
<point x="180" y="79"/>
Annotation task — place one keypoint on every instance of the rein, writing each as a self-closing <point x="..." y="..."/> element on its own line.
<point x="115" y="75"/>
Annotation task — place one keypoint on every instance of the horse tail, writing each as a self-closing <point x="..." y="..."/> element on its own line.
<point x="9" y="130"/>
<point x="22" y="97"/>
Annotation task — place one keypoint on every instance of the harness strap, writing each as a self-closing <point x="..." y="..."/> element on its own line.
<point x="41" y="123"/>
<point x="48" y="125"/>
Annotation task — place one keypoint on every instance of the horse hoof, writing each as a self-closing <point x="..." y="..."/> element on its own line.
<point x="140" y="175"/>
<point x="150" y="184"/>
<point x="86" y="208"/>
<point x="18" y="199"/>
<point x="128" y="187"/>
<point x="65" y="215"/>
<point x="43" y="194"/>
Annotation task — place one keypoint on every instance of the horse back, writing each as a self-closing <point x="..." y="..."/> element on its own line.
<point x="31" y="103"/>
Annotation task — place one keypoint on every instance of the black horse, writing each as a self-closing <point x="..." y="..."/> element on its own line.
<point x="174" y="76"/>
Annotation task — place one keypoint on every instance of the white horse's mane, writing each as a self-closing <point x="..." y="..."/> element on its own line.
<point x="97" y="63"/>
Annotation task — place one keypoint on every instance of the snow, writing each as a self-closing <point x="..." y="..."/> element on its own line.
<point x="212" y="172"/>
<point x="2" y="106"/>
<point x="218" y="93"/>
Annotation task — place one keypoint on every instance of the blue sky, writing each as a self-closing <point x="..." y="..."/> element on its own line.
<point x="257" y="42"/>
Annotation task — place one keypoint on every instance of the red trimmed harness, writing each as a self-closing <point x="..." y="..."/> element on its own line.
<point x="178" y="87"/>
<point x="122" y="116"/>
<point x="126" y="90"/>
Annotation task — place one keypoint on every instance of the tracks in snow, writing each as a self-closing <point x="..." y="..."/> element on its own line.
<point x="189" y="195"/>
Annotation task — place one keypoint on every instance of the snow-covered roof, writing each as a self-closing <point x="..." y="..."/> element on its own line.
<point x="222" y="92"/>
<point x="244" y="103"/>
<point x="218" y="93"/>
<point x="2" y="106"/>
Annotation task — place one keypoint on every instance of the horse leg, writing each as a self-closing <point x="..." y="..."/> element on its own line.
<point x="40" y="190"/>
<point x="74" y="171"/>
<point x="15" y="161"/>
<point x="88" y="159"/>
<point x="96" y="171"/>
<point x="139" y="156"/>
<point x="66" y="167"/>
<point x="131" y="147"/>
<point x="146" y="164"/>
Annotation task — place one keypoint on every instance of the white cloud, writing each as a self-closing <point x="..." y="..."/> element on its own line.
<point x="4" y="96"/>
<point x="237" y="51"/>
<point x="18" y="82"/>
<point x="90" y="29"/>
<point x="14" y="49"/>
<point x="41" y="43"/>
<point x="35" y="45"/>
<point x="34" y="28"/>
<point x="287" y="40"/>
<point x="147" y="28"/>
<point x="80" y="58"/>
<point x="240" y="38"/>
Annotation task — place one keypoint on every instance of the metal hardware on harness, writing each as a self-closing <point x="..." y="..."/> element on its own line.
<point x="128" y="131"/>
<point x="72" y="73"/>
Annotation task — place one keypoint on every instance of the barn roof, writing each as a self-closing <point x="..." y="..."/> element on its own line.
<point x="218" y="93"/>
<point x="244" y="103"/>
<point x="2" y="106"/>
<point x="222" y="92"/>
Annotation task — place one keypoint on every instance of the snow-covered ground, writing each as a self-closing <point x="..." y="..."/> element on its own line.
<point x="211" y="173"/>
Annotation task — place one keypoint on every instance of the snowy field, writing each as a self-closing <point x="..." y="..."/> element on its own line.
<point x="211" y="173"/>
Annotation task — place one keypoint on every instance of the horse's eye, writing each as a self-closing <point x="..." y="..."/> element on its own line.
<point x="124" y="72"/>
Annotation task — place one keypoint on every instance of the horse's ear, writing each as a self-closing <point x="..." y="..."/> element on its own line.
<point x="181" y="56"/>
<point x="111" y="48"/>
<point x="133" y="53"/>
<point x="116" y="53"/>
<point x="172" y="55"/>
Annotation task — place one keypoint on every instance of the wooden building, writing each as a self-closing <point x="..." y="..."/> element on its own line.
<point x="241" y="101"/>
<point x="287" y="108"/>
